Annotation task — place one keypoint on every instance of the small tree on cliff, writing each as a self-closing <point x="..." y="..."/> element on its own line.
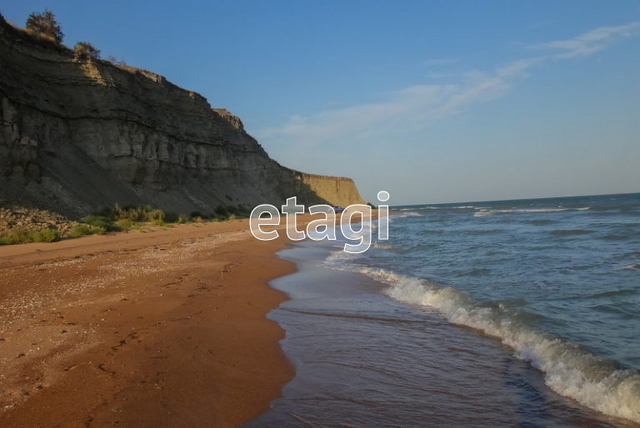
<point x="45" y="24"/>
<point x="86" y="49"/>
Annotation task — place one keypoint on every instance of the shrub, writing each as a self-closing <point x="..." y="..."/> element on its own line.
<point x="45" y="24"/>
<point x="134" y="214"/>
<point x="15" y="236"/>
<point x="124" y="224"/>
<point x="233" y="210"/>
<point x="141" y="214"/>
<point x="98" y="222"/>
<point x="126" y="218"/>
<point x="242" y="212"/>
<point x="46" y="235"/>
<point x="222" y="211"/>
<point x="86" y="50"/>
<point x="79" y="231"/>
<point x="170" y="217"/>
<point x="21" y="235"/>
<point x="99" y="230"/>
<point x="156" y="215"/>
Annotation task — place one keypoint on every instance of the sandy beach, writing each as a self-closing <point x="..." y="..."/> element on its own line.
<point x="159" y="329"/>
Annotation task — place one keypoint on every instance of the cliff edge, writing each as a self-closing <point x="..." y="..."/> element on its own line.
<point x="79" y="134"/>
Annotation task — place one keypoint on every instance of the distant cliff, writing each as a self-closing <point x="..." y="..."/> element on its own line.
<point x="339" y="191"/>
<point x="78" y="135"/>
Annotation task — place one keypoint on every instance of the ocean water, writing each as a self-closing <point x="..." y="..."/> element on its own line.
<point x="511" y="313"/>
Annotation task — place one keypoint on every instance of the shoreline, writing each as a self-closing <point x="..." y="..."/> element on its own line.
<point x="163" y="328"/>
<point x="366" y="357"/>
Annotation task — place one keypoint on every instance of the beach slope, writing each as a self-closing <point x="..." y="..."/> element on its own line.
<point x="158" y="329"/>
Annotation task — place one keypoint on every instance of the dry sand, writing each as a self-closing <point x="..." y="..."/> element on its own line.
<point x="158" y="329"/>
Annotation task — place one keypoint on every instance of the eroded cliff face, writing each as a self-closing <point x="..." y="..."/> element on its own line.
<point x="339" y="191"/>
<point x="78" y="135"/>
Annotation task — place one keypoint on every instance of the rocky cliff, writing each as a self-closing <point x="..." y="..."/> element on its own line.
<point x="79" y="134"/>
<point x="339" y="191"/>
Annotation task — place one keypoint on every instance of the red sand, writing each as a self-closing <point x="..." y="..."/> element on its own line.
<point x="158" y="329"/>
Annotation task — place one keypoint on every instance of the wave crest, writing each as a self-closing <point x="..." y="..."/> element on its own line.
<point x="596" y="382"/>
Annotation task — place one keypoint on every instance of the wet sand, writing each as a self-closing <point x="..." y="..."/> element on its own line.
<point x="159" y="329"/>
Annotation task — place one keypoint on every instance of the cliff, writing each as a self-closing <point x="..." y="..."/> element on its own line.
<point x="78" y="135"/>
<point x="338" y="191"/>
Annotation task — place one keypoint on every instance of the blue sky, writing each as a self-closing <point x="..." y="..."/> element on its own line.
<point x="433" y="101"/>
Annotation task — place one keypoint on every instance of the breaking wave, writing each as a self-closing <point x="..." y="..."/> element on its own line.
<point x="570" y="370"/>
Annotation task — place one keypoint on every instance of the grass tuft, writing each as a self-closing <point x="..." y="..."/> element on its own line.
<point x="20" y="235"/>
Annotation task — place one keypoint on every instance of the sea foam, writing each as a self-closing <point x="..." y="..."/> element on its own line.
<point x="570" y="370"/>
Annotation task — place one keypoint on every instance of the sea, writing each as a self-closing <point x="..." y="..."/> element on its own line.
<point x="518" y="313"/>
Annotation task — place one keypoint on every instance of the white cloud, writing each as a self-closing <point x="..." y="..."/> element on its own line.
<point x="592" y="41"/>
<point x="410" y="108"/>
<point x="417" y="106"/>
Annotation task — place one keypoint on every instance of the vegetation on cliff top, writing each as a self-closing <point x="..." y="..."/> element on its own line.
<point x="86" y="50"/>
<point x="45" y="25"/>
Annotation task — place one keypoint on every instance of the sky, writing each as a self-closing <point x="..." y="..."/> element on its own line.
<point x="432" y="101"/>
